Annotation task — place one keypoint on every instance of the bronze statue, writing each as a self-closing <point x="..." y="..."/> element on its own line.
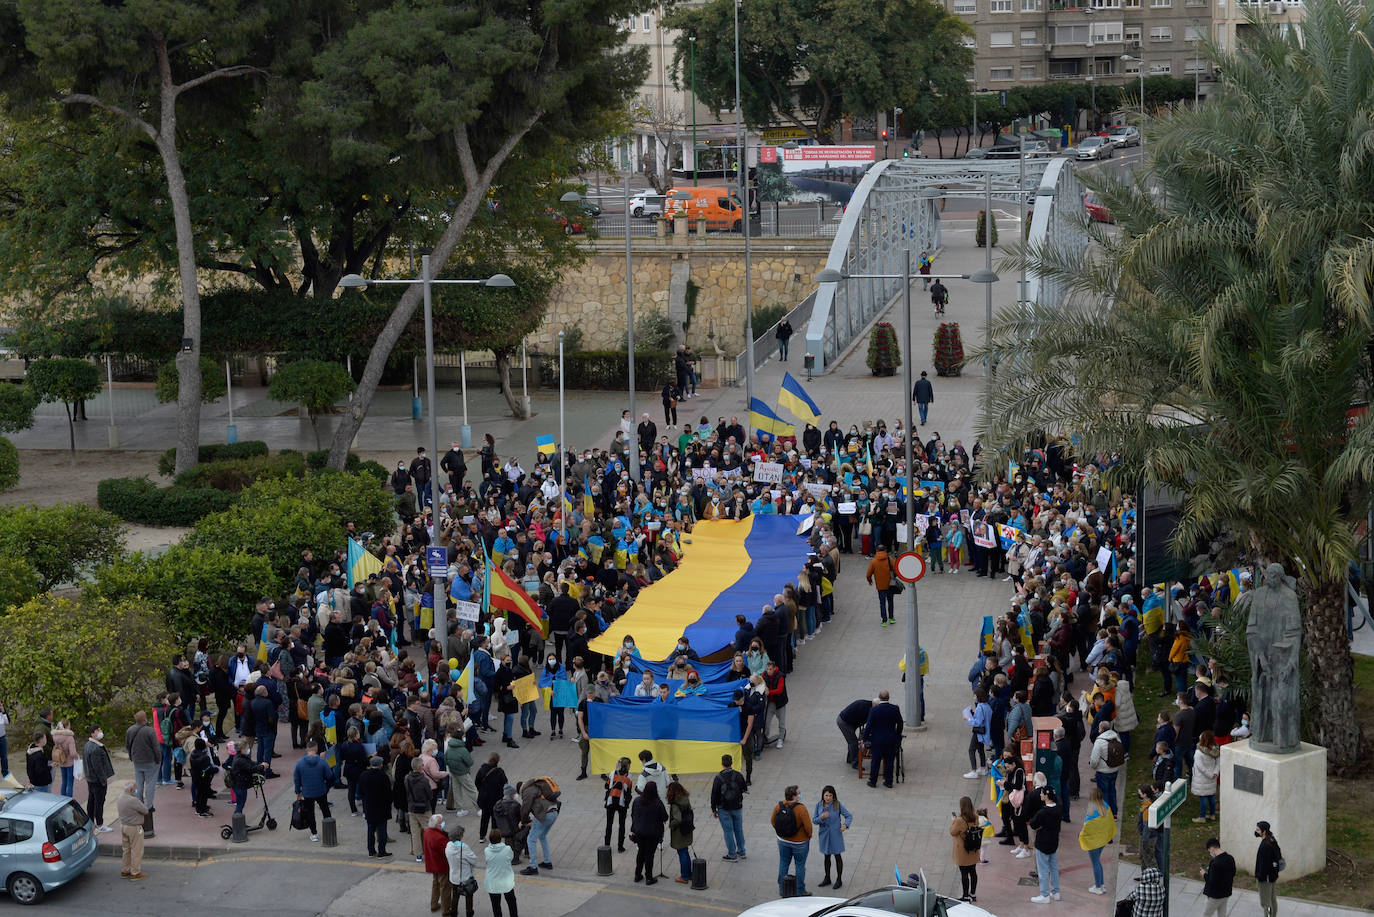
<point x="1273" y="634"/>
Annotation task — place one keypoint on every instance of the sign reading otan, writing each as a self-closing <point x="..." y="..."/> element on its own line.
<point x="806" y="158"/>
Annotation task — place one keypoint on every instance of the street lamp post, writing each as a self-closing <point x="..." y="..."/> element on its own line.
<point x="562" y="465"/>
<point x="500" y="281"/>
<point x="914" y="679"/>
<point x="692" y="46"/>
<point x="1141" y="62"/>
<point x="744" y="202"/>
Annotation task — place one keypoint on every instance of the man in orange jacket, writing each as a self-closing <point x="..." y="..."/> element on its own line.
<point x="879" y="576"/>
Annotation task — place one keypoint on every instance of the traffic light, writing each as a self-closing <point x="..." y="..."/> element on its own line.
<point x="884" y="133"/>
<point x="906" y="153"/>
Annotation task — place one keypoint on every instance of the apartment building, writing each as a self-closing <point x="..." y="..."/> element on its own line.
<point x="1231" y="18"/>
<point x="1031" y="42"/>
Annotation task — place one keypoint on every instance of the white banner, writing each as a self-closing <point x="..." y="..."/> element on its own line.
<point x="469" y="611"/>
<point x="818" y="490"/>
<point x="768" y="472"/>
<point x="1104" y="560"/>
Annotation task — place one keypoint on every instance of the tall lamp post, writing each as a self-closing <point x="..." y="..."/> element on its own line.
<point x="741" y="169"/>
<point x="498" y="281"/>
<point x="1141" y="62"/>
<point x="914" y="685"/>
<point x="692" y="47"/>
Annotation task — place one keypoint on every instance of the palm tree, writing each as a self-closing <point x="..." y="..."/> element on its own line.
<point x="1219" y="340"/>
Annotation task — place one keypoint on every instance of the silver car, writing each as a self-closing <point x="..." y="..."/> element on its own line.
<point x="1096" y="148"/>
<point x="46" y="841"/>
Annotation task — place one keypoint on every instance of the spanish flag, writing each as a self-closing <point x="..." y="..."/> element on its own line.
<point x="361" y="563"/>
<point x="762" y="419"/>
<point x="793" y="397"/>
<point x="506" y="596"/>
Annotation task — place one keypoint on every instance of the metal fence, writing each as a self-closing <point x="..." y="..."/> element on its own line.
<point x="775" y="220"/>
<point x="763" y="345"/>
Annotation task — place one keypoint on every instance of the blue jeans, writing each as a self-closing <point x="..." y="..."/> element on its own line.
<point x="528" y="712"/>
<point x="240" y="797"/>
<point x="1107" y="784"/>
<point x="4" y="756"/>
<point x="810" y="620"/>
<point x="732" y="824"/>
<point x="1096" y="857"/>
<point x="539" y="834"/>
<point x="68" y="779"/>
<point x="1207" y="805"/>
<point x="885" y="604"/>
<point x="788" y="853"/>
<point x="266" y="741"/>
<point x="1183" y="759"/>
<point x="782" y="347"/>
<point x="507" y="725"/>
<point x="684" y="864"/>
<point x="924" y="408"/>
<point x="1047" y="865"/>
<point x="164" y="773"/>
<point x="481" y="705"/>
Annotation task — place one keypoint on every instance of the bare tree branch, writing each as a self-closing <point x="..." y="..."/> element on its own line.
<point x="82" y="98"/>
<point x="221" y="73"/>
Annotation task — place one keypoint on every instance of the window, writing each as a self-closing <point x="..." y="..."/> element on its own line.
<point x="1105" y="66"/>
<point x="999" y="6"/>
<point x="1000" y="74"/>
<point x="965" y="7"/>
<point x="1156" y="4"/>
<point x="1071" y="34"/>
<point x="968" y="41"/>
<point x="1106" y="4"/>
<point x="1192" y="33"/>
<point x="15" y="831"/>
<point x="65" y="822"/>
<point x="1132" y="34"/>
<point x="1028" y="72"/>
<point x="1000" y="40"/>
<point x="1161" y="33"/>
<point x="1030" y="6"/>
<point x="1060" y="69"/>
<point x="1160" y="66"/>
<point x="1130" y="4"/>
<point x="1029" y="38"/>
<point x="1131" y="67"/>
<point x="1106" y="32"/>
<point x="1195" y="65"/>
<point x="648" y="23"/>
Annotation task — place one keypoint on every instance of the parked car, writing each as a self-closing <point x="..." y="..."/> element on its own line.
<point x="46" y="841"/>
<point x="1124" y="135"/>
<point x="977" y="152"/>
<point x="1095" y="148"/>
<point x="647" y="204"/>
<point x="1095" y="209"/>
<point x="903" y="900"/>
<point x="585" y="213"/>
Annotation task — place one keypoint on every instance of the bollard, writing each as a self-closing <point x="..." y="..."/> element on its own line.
<point x="698" y="872"/>
<point x="603" y="861"/>
<point x="239" y="831"/>
<point x="789" y="886"/>
<point x="148" y="826"/>
<point x="329" y="832"/>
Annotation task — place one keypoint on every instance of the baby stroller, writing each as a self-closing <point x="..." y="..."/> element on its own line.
<point x="227" y="831"/>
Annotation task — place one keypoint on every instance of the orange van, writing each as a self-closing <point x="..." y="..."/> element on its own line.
<point x="718" y="206"/>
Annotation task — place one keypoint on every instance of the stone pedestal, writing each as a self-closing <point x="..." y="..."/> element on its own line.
<point x="1288" y="791"/>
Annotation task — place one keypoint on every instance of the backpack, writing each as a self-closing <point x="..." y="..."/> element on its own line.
<point x="1116" y="754"/>
<point x="973" y="838"/>
<point x="785" y="823"/>
<point x="554" y="791"/>
<point x="687" y="820"/>
<point x="59" y="755"/>
<point x="731" y="796"/>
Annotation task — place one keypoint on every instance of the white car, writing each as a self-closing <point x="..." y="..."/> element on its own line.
<point x="900" y="900"/>
<point x="647" y="204"/>
<point x="1124" y="135"/>
<point x="1096" y="148"/>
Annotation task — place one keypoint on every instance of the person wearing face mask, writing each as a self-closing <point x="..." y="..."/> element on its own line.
<point x="683" y="649"/>
<point x="692" y="686"/>
<point x="95" y="760"/>
<point x="552" y="673"/>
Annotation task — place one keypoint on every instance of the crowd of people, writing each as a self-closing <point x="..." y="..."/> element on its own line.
<point x="364" y="687"/>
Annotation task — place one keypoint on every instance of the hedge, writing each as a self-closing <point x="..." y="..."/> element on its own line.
<point x="607" y="369"/>
<point x="214" y="452"/>
<point x="234" y="475"/>
<point x="140" y="500"/>
<point x="9" y="464"/>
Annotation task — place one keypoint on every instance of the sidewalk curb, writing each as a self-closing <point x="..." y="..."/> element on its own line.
<point x="166" y="852"/>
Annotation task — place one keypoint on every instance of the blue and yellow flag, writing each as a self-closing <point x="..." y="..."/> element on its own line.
<point x="361" y="563"/>
<point x="985" y="644"/>
<point x="588" y="501"/>
<point x="331" y="736"/>
<point x="464" y="683"/>
<point x="545" y="444"/>
<point x="262" y="643"/>
<point x="793" y="397"/>
<point x="687" y="736"/>
<point x="762" y="419"/>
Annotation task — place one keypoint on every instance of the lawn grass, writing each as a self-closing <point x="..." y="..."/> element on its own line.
<point x="1349" y="830"/>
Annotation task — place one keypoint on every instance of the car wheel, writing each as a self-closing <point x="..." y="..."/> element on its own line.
<point x="25" y="889"/>
<point x="737" y="227"/>
<point x="637" y="212"/>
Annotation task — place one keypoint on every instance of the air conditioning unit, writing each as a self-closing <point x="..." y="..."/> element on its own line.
<point x="1049" y="49"/>
<point x="1276" y="7"/>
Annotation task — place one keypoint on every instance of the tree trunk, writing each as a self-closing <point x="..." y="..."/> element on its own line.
<point x="1333" y="673"/>
<point x="71" y="428"/>
<point x="517" y="408"/>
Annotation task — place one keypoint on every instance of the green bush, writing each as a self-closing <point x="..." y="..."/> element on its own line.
<point x="18" y="582"/>
<point x="61" y="542"/>
<point x="766" y="317"/>
<point x="214" y="452"/>
<point x="234" y="475"/>
<point x="9" y="464"/>
<point x="213" y="385"/>
<point x="374" y="469"/>
<point x="140" y="500"/>
<point x="653" y="331"/>
<point x="317" y="459"/>
<point x="606" y="369"/>
<point x="980" y="230"/>
<point x="202" y="592"/>
<point x="276" y="530"/>
<point x="89" y="659"/>
<point x="347" y="497"/>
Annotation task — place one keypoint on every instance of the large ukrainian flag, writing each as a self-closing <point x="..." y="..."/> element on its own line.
<point x="764" y="420"/>
<point x="793" y="397"/>
<point x="361" y="563"/>
<point x="730" y="567"/>
<point x="687" y="736"/>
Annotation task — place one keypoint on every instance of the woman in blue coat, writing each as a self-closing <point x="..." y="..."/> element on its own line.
<point x="832" y="820"/>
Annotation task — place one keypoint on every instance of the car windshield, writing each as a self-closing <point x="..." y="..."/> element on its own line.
<point x="1118" y="131"/>
<point x="893" y="899"/>
<point x="65" y="822"/>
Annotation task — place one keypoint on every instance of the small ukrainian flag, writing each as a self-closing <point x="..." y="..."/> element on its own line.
<point x="762" y="418"/>
<point x="793" y="397"/>
<point x="545" y="444"/>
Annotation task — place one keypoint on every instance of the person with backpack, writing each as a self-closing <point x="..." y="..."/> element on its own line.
<point x="880" y="575"/>
<point x="792" y="824"/>
<point x="619" y="789"/>
<point x="1268" y="864"/>
<point x="1107" y="759"/>
<point x="647" y="817"/>
<point x="727" y="807"/>
<point x="967" y="831"/>
<point x="681" y="825"/>
<point x="939" y="297"/>
<point x="832" y="820"/>
<point x="539" y="806"/>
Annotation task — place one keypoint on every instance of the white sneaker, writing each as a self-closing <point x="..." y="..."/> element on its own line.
<point x="104" y="829"/>
<point x="315" y="837"/>
<point x="779" y="745"/>
<point x="1022" y="854"/>
<point x="1040" y="899"/>
<point x="461" y="813"/>
<point x="1097" y="890"/>
<point x="971" y="775"/>
<point x="1054" y="896"/>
